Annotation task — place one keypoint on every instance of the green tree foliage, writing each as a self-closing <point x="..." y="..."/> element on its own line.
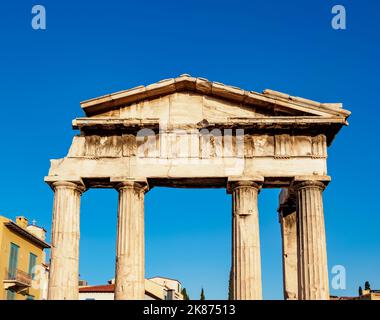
<point x="184" y="294"/>
<point x="230" y="295"/>
<point x="203" y="295"/>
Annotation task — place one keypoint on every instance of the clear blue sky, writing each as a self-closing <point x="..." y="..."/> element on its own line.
<point x="92" y="48"/>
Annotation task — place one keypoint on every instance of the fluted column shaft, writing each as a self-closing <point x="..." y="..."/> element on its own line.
<point x="312" y="256"/>
<point x="64" y="265"/>
<point x="246" y="259"/>
<point x="288" y="223"/>
<point x="130" y="249"/>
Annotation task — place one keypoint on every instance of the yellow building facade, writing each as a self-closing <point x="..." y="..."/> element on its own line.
<point x="22" y="260"/>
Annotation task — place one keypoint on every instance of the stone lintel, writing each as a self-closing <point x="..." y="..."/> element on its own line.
<point x="235" y="181"/>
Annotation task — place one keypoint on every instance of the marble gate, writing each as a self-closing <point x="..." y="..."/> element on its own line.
<point x="190" y="132"/>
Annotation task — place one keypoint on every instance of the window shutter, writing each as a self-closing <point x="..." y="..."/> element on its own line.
<point x="32" y="264"/>
<point x="13" y="260"/>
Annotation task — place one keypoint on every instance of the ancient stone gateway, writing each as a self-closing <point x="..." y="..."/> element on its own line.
<point x="190" y="132"/>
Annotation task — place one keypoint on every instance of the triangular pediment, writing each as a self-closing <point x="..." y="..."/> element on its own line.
<point x="188" y="99"/>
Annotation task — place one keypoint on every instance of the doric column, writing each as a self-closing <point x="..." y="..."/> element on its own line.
<point x="288" y="221"/>
<point x="130" y="249"/>
<point x="313" y="281"/>
<point x="64" y="265"/>
<point x="246" y="259"/>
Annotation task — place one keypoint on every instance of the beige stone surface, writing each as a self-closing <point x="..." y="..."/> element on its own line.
<point x="313" y="283"/>
<point x="289" y="255"/>
<point x="246" y="257"/>
<point x="191" y="132"/>
<point x="214" y="89"/>
<point x="288" y="222"/>
<point x="130" y="248"/>
<point x="64" y="267"/>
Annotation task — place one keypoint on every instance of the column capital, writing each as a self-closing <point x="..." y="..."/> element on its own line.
<point x="310" y="182"/>
<point x="140" y="185"/>
<point x="238" y="182"/>
<point x="56" y="183"/>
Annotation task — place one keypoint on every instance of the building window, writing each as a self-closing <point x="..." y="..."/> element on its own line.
<point x="13" y="260"/>
<point x="32" y="264"/>
<point x="11" y="295"/>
